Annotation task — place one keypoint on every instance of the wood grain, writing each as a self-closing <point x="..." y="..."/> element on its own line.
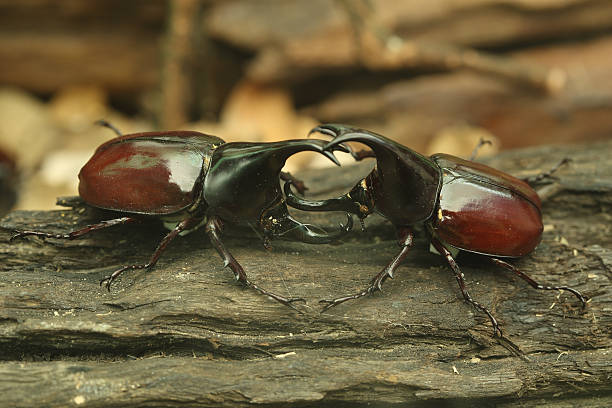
<point x="185" y="334"/>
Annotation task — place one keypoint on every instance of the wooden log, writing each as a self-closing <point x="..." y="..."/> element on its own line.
<point x="185" y="334"/>
<point x="416" y="109"/>
<point x="321" y="35"/>
<point x="482" y="23"/>
<point x="117" y="44"/>
<point x="109" y="43"/>
<point x="179" y="57"/>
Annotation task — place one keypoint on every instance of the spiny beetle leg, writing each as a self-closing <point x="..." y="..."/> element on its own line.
<point x="535" y="284"/>
<point x="182" y="226"/>
<point x="213" y="229"/>
<point x="405" y="241"/>
<point x="460" y="280"/>
<point x="77" y="233"/>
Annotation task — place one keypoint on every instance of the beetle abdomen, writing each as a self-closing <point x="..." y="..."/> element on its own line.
<point x="154" y="173"/>
<point x="482" y="214"/>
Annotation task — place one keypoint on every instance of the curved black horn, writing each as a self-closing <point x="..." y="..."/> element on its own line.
<point x="295" y="230"/>
<point x="419" y="176"/>
<point x="386" y="150"/>
<point x="343" y="203"/>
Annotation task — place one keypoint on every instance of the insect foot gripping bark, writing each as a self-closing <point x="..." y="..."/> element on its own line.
<point x="465" y="206"/>
<point x="189" y="179"/>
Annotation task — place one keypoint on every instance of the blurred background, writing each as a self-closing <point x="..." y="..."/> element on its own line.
<point x="435" y="75"/>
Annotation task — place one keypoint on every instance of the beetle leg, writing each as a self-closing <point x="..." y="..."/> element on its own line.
<point x="213" y="229"/>
<point x="535" y="284"/>
<point x="546" y="174"/>
<point x="183" y="225"/>
<point x="78" y="233"/>
<point x="460" y="280"/>
<point x="405" y="240"/>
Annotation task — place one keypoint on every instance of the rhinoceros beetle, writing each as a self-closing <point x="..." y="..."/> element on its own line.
<point x="189" y="179"/>
<point x="464" y="206"/>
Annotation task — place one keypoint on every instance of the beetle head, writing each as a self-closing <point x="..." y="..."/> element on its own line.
<point x="242" y="185"/>
<point x="403" y="186"/>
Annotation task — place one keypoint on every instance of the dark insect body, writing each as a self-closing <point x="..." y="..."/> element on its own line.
<point x="189" y="179"/>
<point x="464" y="206"/>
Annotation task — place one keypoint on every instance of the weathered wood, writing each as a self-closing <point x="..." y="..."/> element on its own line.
<point x="185" y="334"/>
<point x="416" y="109"/>
<point x="480" y="23"/>
<point x="117" y="45"/>
<point x="178" y="65"/>
<point x="311" y="36"/>
<point x="110" y="43"/>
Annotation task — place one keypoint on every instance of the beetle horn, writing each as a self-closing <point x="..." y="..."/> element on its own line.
<point x="307" y="233"/>
<point x="253" y="169"/>
<point x="419" y="176"/>
<point x="266" y="159"/>
<point x="343" y="203"/>
<point x="278" y="152"/>
<point x="281" y="224"/>
<point x="387" y="151"/>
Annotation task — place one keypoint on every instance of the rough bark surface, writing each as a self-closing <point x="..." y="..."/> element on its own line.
<point x="185" y="334"/>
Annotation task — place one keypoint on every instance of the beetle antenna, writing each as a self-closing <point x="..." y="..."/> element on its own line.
<point x="481" y="143"/>
<point x="107" y="124"/>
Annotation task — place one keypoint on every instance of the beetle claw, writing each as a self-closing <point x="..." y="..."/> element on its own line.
<point x="16" y="236"/>
<point x="328" y="304"/>
<point x="335" y="302"/>
<point x="107" y="280"/>
<point x="22" y="234"/>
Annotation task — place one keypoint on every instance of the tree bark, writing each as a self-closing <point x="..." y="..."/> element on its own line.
<point x="186" y="334"/>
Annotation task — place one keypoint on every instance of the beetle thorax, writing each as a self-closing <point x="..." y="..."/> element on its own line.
<point x="406" y="196"/>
